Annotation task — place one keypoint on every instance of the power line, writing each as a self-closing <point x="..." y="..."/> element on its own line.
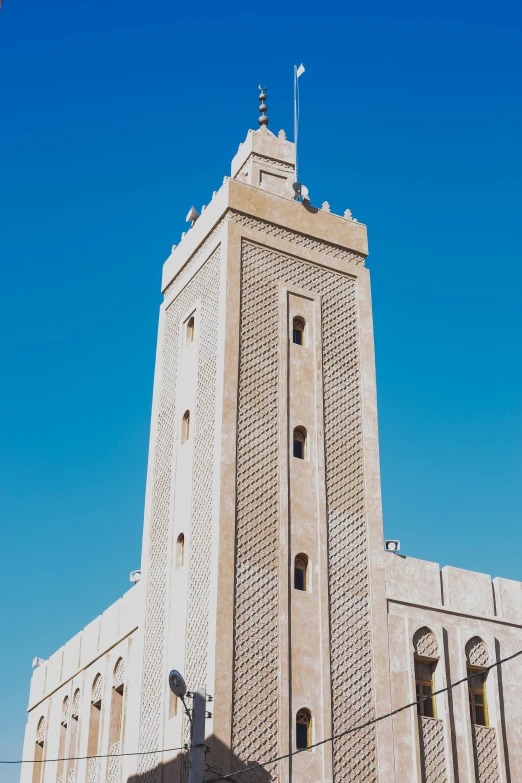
<point x="98" y="756"/>
<point x="286" y="755"/>
<point x="231" y="775"/>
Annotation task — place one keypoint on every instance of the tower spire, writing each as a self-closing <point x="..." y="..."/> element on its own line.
<point x="263" y="120"/>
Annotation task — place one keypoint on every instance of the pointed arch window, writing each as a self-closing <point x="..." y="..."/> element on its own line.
<point x="426" y="651"/>
<point x="180" y="551"/>
<point x="39" y="751"/>
<point x="93" y="737"/>
<point x="62" y="742"/>
<point x="298" y="330"/>
<point x="185" y="427"/>
<point x="117" y="705"/>
<point x="477" y="657"/>
<point x="301" y="572"/>
<point x="303" y="729"/>
<point x="299" y="443"/>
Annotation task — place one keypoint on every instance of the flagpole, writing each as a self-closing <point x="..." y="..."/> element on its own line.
<point x="295" y="119"/>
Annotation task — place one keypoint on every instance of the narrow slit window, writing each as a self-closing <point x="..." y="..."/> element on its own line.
<point x="303" y="730"/>
<point x="185" y="427"/>
<point x="477" y="698"/>
<point x="180" y="551"/>
<point x="300" y="443"/>
<point x="301" y="572"/>
<point x="189" y="333"/>
<point x="298" y="330"/>
<point x="424" y="688"/>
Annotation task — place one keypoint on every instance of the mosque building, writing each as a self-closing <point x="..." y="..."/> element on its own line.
<point x="264" y="577"/>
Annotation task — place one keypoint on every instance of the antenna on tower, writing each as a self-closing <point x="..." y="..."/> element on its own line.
<point x="297" y="73"/>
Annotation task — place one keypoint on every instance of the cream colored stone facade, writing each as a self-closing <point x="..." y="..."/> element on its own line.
<point x="228" y="509"/>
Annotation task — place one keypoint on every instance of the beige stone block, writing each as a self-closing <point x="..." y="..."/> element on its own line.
<point x="412" y="580"/>
<point x="110" y="626"/>
<point x="131" y="604"/>
<point x="71" y="656"/>
<point x="54" y="670"/>
<point x="37" y="690"/>
<point x="468" y="592"/>
<point x="90" y="641"/>
<point x="508" y="599"/>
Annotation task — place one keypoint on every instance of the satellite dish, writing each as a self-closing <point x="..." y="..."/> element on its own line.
<point x="192" y="216"/>
<point x="177" y="684"/>
<point x="301" y="191"/>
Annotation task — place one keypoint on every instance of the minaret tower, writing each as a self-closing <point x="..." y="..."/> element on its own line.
<point x="262" y="553"/>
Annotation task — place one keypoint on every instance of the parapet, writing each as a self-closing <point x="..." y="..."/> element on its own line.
<point x="117" y="622"/>
<point x="470" y="593"/>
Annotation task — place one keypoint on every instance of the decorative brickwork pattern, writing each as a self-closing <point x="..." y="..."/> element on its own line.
<point x="185" y="273"/>
<point x="486" y="754"/>
<point x="92" y="770"/>
<point x="114" y="765"/>
<point x="296" y="238"/>
<point x="97" y="689"/>
<point x="432" y="752"/>
<point x="119" y="673"/>
<point x="76" y="703"/>
<point x="256" y="623"/>
<point x="40" y="731"/>
<point x="65" y="711"/>
<point x="204" y="286"/>
<point x="70" y="775"/>
<point x="425" y="643"/>
<point x="477" y="653"/>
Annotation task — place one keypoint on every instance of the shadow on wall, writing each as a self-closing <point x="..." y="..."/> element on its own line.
<point x="219" y="760"/>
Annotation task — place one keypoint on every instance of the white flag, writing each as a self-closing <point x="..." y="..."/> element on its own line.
<point x="300" y="70"/>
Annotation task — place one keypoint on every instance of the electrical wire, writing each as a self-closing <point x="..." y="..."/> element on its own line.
<point x="98" y="756"/>
<point x="230" y="775"/>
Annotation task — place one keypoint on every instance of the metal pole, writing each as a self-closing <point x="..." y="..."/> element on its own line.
<point x="197" y="750"/>
<point x="295" y="119"/>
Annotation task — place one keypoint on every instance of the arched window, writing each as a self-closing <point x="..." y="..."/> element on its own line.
<point x="300" y="443"/>
<point x="301" y="572"/>
<point x="189" y="332"/>
<point x="62" y="742"/>
<point x="298" y="330"/>
<point x="180" y="551"/>
<point x="477" y="656"/>
<point x="116" y="706"/>
<point x="426" y="652"/>
<point x="94" y="725"/>
<point x="39" y="751"/>
<point x="185" y="427"/>
<point x="73" y="732"/>
<point x="303" y="729"/>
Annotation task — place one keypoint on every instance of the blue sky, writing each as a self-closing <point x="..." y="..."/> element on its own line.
<point x="116" y="117"/>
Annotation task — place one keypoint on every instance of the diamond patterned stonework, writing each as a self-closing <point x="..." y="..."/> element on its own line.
<point x="295" y="237"/>
<point x="432" y="752"/>
<point x="425" y="643"/>
<point x="119" y="673"/>
<point x="256" y="624"/>
<point x="92" y="770"/>
<point x="205" y="287"/>
<point x="486" y="755"/>
<point x="97" y="688"/>
<point x="476" y="652"/>
<point x="114" y="765"/>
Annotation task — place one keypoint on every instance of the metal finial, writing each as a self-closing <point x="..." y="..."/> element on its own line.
<point x="263" y="120"/>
